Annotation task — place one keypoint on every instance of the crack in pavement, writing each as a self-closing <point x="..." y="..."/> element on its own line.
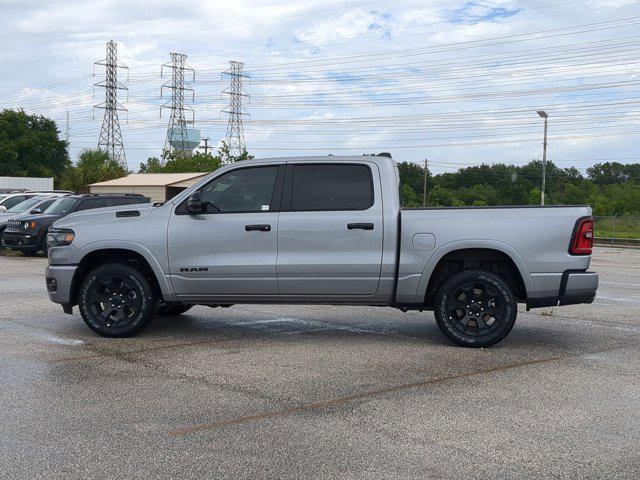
<point x="324" y="404"/>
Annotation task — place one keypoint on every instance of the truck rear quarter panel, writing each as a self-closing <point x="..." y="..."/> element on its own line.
<point x="536" y="239"/>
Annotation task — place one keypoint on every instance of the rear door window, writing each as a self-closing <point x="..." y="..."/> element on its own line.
<point x="331" y="187"/>
<point x="13" y="201"/>
<point x="44" y="205"/>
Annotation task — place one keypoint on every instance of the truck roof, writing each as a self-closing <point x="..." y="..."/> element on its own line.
<point x="324" y="158"/>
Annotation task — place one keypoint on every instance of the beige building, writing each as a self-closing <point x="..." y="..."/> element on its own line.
<point x="160" y="187"/>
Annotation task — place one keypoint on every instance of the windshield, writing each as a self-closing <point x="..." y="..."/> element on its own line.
<point x="64" y="206"/>
<point x="26" y="205"/>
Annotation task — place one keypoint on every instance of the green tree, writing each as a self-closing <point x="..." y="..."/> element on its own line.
<point x="30" y="147"/>
<point x="535" y="196"/>
<point x="223" y="152"/>
<point x="412" y="175"/>
<point x="478" y="195"/>
<point x="152" y="165"/>
<point x="409" y="197"/>
<point x="600" y="204"/>
<point x="613" y="172"/>
<point x="199" y="162"/>
<point x="93" y="166"/>
<point x="440" y="197"/>
<point x="610" y="188"/>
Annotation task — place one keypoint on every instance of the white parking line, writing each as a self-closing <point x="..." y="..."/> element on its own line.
<point x="60" y="341"/>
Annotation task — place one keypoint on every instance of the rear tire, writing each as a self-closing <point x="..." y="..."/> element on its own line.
<point x="116" y="300"/>
<point x="475" y="308"/>
<point x="171" y="309"/>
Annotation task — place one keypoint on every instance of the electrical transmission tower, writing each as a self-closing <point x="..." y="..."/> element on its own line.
<point x="177" y="136"/>
<point x="235" y="110"/>
<point x="110" y="136"/>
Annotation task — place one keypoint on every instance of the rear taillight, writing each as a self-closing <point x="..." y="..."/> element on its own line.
<point x="582" y="241"/>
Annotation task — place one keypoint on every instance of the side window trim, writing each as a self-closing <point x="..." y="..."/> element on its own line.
<point x="276" y="195"/>
<point x="288" y="187"/>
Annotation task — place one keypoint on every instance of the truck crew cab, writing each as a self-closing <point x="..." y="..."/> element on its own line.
<point x="326" y="230"/>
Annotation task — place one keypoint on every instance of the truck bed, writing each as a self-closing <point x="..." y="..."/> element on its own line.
<point x="536" y="238"/>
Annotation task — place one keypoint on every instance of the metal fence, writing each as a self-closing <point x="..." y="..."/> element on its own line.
<point x="617" y="231"/>
<point x="26" y="183"/>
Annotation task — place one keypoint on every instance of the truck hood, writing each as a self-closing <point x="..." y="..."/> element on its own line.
<point x="104" y="215"/>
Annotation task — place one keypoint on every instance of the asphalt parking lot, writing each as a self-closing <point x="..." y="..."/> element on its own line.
<point x="320" y="392"/>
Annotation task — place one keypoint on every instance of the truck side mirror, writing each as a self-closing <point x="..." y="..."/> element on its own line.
<point x="194" y="202"/>
<point x="3" y="208"/>
<point x="35" y="211"/>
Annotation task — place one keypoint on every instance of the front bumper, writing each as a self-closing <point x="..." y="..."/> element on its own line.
<point x="59" y="279"/>
<point x="575" y="287"/>
<point x="23" y="242"/>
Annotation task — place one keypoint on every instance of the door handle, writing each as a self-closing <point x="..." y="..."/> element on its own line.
<point x="360" y="226"/>
<point x="260" y="227"/>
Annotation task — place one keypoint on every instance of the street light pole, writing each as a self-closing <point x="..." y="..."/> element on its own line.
<point x="544" y="115"/>
<point x="424" y="183"/>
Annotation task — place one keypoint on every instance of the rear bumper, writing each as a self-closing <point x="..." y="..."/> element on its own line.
<point x="59" y="279"/>
<point x="575" y="287"/>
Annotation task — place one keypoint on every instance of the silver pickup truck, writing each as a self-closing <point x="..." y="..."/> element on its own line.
<point x="322" y="230"/>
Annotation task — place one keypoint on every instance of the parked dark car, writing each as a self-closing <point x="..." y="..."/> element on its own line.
<point x="33" y="206"/>
<point x="29" y="234"/>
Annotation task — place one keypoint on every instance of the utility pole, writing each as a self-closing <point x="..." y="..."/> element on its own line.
<point x="235" y="130"/>
<point x="206" y="146"/>
<point x="544" y="115"/>
<point x="110" y="136"/>
<point x="177" y="136"/>
<point x="424" y="183"/>
<point x="66" y="129"/>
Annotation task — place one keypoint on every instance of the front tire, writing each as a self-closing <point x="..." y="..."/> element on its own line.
<point x="116" y="300"/>
<point x="475" y="308"/>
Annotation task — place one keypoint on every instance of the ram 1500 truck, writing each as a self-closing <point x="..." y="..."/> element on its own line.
<point x="322" y="230"/>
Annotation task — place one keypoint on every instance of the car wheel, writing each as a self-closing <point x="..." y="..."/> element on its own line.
<point x="171" y="309"/>
<point x="475" y="308"/>
<point x="116" y="300"/>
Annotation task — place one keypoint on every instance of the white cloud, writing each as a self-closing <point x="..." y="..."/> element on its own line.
<point x="405" y="71"/>
<point x="347" y="25"/>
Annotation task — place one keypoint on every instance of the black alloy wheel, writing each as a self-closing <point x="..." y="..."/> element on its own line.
<point x="475" y="308"/>
<point x="116" y="300"/>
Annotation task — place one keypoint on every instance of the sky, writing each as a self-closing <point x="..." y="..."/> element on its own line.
<point x="457" y="82"/>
